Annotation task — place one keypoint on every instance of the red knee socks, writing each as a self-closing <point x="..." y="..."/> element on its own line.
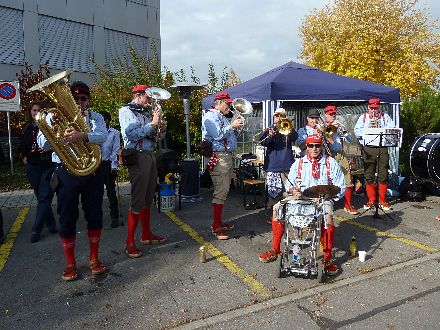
<point x="218" y="208"/>
<point x="145" y="222"/>
<point x="132" y="222"/>
<point x="94" y="236"/>
<point x="327" y="240"/>
<point x="371" y="192"/>
<point x="277" y="234"/>
<point x="347" y="197"/>
<point x="68" y="244"/>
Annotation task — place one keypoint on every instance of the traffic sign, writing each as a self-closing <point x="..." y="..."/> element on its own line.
<point x="9" y="96"/>
<point x="7" y="91"/>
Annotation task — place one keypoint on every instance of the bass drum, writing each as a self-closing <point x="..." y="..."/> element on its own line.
<point x="425" y="157"/>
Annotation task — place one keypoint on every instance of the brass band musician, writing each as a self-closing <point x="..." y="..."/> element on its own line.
<point x="335" y="134"/>
<point x="278" y="156"/>
<point x="373" y="156"/>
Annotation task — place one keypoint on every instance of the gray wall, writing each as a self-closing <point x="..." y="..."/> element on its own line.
<point x="68" y="33"/>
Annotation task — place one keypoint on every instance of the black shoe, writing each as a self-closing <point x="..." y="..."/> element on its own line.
<point x="53" y="230"/>
<point x="35" y="237"/>
<point x="115" y="223"/>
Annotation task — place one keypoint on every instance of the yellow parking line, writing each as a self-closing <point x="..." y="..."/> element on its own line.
<point x="255" y="285"/>
<point x="385" y="234"/>
<point x="5" y="249"/>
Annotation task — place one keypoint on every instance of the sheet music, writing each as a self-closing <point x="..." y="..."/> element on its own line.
<point x="391" y="137"/>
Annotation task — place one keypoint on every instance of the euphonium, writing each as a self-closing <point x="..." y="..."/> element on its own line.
<point x="80" y="158"/>
<point x="284" y="126"/>
<point x="241" y="107"/>
<point x="158" y="94"/>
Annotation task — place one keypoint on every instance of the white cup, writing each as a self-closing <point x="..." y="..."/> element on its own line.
<point x="362" y="255"/>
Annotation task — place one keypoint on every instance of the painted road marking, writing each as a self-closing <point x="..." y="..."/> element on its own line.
<point x="385" y="234"/>
<point x="5" y="248"/>
<point x="250" y="281"/>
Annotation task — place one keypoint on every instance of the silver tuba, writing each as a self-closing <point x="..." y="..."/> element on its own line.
<point x="80" y="158"/>
<point x="242" y="107"/>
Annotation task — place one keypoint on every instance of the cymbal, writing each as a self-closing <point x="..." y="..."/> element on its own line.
<point x="327" y="191"/>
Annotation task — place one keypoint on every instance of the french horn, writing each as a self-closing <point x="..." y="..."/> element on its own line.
<point x="80" y="158"/>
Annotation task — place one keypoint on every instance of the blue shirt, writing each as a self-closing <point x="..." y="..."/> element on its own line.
<point x="364" y="120"/>
<point x="307" y="180"/>
<point x="97" y="134"/>
<point x="136" y="128"/>
<point x="217" y="129"/>
<point x="337" y="146"/>
<point x="111" y="147"/>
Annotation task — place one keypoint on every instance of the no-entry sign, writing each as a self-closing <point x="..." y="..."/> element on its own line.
<point x="9" y="96"/>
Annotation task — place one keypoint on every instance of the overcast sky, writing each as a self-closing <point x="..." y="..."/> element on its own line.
<point x="249" y="36"/>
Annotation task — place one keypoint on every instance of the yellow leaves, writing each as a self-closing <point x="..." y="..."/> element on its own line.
<point x="385" y="41"/>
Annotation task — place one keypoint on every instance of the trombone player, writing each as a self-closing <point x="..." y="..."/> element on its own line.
<point x="334" y="134"/>
<point x="278" y="140"/>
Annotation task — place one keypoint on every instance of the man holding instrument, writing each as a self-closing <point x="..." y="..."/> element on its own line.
<point x="217" y="129"/>
<point x="375" y="158"/>
<point x="139" y="128"/>
<point x="70" y="187"/>
<point x="278" y="158"/>
<point x="315" y="168"/>
<point x="336" y="146"/>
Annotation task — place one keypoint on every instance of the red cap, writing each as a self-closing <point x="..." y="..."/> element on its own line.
<point x="374" y="103"/>
<point x="330" y="109"/>
<point x="139" y="89"/>
<point x="315" y="138"/>
<point x="223" y="96"/>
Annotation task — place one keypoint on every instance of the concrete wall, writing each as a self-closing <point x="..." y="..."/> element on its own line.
<point x="140" y="18"/>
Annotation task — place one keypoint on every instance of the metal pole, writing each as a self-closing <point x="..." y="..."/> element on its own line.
<point x="186" y="106"/>
<point x="11" y="161"/>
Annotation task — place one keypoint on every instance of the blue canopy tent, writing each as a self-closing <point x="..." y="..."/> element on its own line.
<point x="294" y="82"/>
<point x="297" y="82"/>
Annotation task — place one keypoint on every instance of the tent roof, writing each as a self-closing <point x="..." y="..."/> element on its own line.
<point x="297" y="82"/>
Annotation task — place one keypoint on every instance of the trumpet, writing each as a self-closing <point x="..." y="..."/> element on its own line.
<point x="157" y="94"/>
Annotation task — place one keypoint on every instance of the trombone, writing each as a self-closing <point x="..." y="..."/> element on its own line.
<point x="158" y="94"/>
<point x="284" y="127"/>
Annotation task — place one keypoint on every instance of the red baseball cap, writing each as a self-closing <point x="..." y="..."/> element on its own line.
<point x="330" y="109"/>
<point x="223" y="96"/>
<point x="374" y="103"/>
<point x="139" y="89"/>
<point x="315" y="138"/>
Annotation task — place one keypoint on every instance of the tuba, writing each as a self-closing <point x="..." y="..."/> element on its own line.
<point x="80" y="158"/>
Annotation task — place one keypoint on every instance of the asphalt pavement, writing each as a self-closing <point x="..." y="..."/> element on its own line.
<point x="168" y="287"/>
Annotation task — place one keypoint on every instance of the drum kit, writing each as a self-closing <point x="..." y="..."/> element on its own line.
<point x="300" y="252"/>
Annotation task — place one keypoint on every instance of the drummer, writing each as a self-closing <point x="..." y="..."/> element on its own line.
<point x="315" y="168"/>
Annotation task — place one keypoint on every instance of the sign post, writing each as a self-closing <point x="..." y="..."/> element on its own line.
<point x="9" y="102"/>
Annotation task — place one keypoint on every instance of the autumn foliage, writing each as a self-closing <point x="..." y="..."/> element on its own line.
<point x="384" y="41"/>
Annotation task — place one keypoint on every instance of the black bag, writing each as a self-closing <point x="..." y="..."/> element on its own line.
<point x="167" y="161"/>
<point x="205" y="148"/>
<point x="128" y="157"/>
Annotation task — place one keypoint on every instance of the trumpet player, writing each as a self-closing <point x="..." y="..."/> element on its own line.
<point x="335" y="143"/>
<point x="278" y="158"/>
<point x="375" y="159"/>
<point x="71" y="187"/>
<point x="139" y="128"/>
<point x="217" y="129"/>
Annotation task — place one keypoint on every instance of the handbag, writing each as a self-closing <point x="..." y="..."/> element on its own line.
<point x="128" y="157"/>
<point x="205" y="148"/>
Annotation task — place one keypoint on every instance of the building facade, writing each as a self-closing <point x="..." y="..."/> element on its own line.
<point x="75" y="34"/>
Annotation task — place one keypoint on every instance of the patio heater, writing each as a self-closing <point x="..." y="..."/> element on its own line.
<point x="190" y="183"/>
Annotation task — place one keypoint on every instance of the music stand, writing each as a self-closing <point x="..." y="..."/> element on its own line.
<point x="380" y="137"/>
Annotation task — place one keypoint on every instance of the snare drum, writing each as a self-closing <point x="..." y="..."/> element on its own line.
<point x="299" y="213"/>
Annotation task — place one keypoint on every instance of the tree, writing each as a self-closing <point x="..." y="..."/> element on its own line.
<point x="384" y="41"/>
